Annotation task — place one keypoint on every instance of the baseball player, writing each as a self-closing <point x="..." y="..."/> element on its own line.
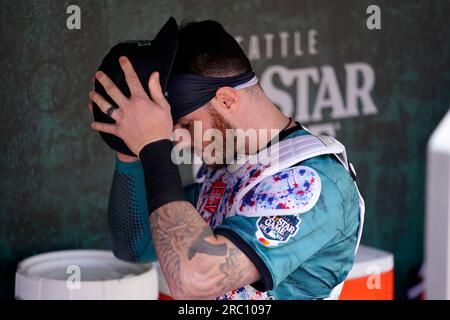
<point x="285" y="226"/>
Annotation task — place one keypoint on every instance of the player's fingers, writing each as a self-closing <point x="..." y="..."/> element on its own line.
<point x="104" y="127"/>
<point x="133" y="82"/>
<point x="156" y="93"/>
<point x="104" y="105"/>
<point x="111" y="89"/>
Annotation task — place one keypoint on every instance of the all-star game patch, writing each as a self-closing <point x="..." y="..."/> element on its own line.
<point x="271" y="231"/>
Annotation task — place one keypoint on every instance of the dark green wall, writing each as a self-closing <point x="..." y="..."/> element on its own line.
<point x="56" y="172"/>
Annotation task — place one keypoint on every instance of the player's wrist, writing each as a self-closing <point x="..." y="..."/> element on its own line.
<point x="125" y="158"/>
<point x="162" y="178"/>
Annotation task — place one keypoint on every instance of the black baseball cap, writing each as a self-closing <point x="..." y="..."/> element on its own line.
<point x="146" y="56"/>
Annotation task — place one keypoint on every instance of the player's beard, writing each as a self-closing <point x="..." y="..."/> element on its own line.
<point x="219" y="123"/>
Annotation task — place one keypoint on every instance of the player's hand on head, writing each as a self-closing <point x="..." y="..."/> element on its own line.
<point x="121" y="156"/>
<point x="140" y="119"/>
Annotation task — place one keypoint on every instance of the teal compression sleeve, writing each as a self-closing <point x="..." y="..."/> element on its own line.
<point x="128" y="221"/>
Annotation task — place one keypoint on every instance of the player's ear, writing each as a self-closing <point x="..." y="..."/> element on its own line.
<point x="226" y="98"/>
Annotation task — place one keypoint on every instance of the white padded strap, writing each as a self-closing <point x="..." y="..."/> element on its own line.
<point x="284" y="155"/>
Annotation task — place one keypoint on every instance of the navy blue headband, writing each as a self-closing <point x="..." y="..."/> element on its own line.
<point x="188" y="92"/>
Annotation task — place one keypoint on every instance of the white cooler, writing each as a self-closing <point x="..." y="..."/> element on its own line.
<point x="84" y="275"/>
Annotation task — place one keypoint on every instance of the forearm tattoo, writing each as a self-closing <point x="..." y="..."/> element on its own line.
<point x="180" y="236"/>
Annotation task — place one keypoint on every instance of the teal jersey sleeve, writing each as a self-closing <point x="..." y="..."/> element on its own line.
<point x="128" y="221"/>
<point x="304" y="255"/>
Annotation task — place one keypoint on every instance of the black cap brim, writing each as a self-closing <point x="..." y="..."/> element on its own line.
<point x="146" y="57"/>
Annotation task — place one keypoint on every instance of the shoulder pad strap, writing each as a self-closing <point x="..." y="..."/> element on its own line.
<point x="287" y="153"/>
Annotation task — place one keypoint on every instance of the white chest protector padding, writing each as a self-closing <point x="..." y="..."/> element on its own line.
<point x="282" y="156"/>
